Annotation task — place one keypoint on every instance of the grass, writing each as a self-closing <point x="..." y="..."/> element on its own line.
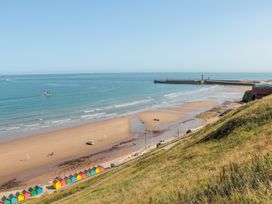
<point x="228" y="161"/>
<point x="250" y="183"/>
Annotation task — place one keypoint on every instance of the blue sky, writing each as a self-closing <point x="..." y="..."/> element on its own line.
<point x="64" y="36"/>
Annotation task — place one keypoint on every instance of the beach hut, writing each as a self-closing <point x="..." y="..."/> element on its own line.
<point x="33" y="192"/>
<point x="26" y="194"/>
<point x="73" y="178"/>
<point x="78" y="176"/>
<point x="56" y="184"/>
<point x="68" y="180"/>
<point x="39" y="189"/>
<point x="93" y="172"/>
<point x="13" y="199"/>
<point x="5" y="200"/>
<point x="97" y="170"/>
<point x="20" y="196"/>
<point x="83" y="175"/>
<point x="101" y="168"/>
<point x="63" y="182"/>
<point x="88" y="172"/>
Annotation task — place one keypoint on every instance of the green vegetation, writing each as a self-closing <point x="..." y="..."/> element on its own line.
<point x="228" y="161"/>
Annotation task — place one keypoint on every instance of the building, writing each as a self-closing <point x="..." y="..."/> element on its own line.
<point x="88" y="172"/>
<point x="39" y="189"/>
<point x="101" y="168"/>
<point x="63" y="182"/>
<point x="26" y="194"/>
<point x="56" y="184"/>
<point x="93" y="172"/>
<point x="258" y="91"/>
<point x="20" y="196"/>
<point x="78" y="177"/>
<point x="68" y="180"/>
<point x="97" y="170"/>
<point x="5" y="200"/>
<point x="33" y="192"/>
<point x="83" y="175"/>
<point x="73" y="178"/>
<point x="13" y="199"/>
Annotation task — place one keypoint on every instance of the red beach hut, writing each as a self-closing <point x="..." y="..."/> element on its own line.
<point x="26" y="194"/>
<point x="83" y="175"/>
<point x="63" y="182"/>
<point x="101" y="168"/>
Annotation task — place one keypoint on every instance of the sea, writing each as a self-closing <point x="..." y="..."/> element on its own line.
<point x="84" y="98"/>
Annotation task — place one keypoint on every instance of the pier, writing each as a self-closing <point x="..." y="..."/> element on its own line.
<point x="208" y="81"/>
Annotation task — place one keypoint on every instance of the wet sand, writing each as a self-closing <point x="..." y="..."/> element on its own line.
<point x="40" y="158"/>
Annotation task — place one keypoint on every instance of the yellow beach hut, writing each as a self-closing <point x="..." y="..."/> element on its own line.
<point x="20" y="196"/>
<point x="56" y="184"/>
<point x="78" y="177"/>
<point x="97" y="170"/>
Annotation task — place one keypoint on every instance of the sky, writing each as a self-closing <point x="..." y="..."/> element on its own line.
<point x="77" y="36"/>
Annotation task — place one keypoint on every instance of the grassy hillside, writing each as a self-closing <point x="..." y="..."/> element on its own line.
<point x="229" y="161"/>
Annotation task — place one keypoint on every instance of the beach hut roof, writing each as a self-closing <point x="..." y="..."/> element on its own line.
<point x="18" y="193"/>
<point x="38" y="186"/>
<point x="12" y="196"/>
<point x="25" y="191"/>
<point x="4" y="198"/>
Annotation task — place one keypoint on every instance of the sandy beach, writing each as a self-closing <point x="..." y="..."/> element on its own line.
<point x="40" y="158"/>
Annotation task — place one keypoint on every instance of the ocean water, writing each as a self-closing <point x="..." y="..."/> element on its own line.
<point x="83" y="98"/>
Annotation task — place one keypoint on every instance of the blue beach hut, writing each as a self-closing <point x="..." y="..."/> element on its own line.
<point x="73" y="178"/>
<point x="39" y="189"/>
<point x="13" y="199"/>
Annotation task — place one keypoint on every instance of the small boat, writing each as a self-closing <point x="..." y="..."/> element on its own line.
<point x="47" y="93"/>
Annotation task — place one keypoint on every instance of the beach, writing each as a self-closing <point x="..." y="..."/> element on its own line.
<point x="39" y="158"/>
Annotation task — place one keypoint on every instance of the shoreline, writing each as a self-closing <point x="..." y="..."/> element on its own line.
<point x="113" y="138"/>
<point x="52" y="125"/>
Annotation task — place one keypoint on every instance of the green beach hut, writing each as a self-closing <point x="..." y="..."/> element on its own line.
<point x="33" y="192"/>
<point x="88" y="172"/>
<point x="5" y="200"/>
<point x="93" y="172"/>
<point x="68" y="180"/>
